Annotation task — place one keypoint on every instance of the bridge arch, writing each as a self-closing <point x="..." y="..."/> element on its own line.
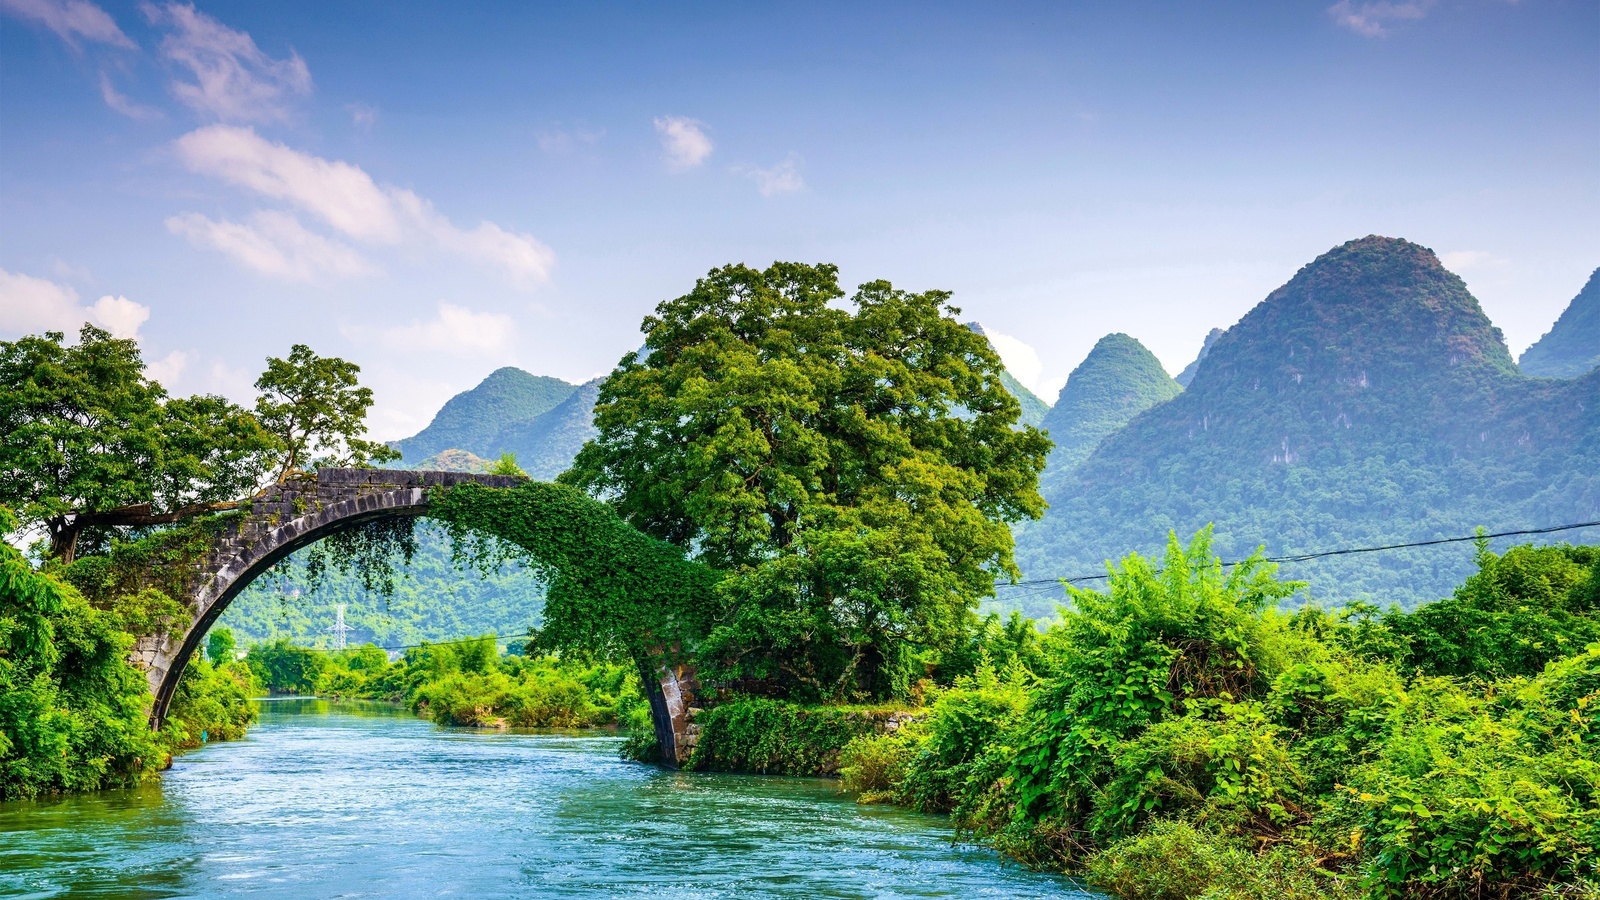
<point x="302" y="511"/>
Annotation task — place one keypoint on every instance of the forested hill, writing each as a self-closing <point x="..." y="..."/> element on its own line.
<point x="1572" y="346"/>
<point x="473" y="420"/>
<point x="1367" y="401"/>
<point x="1118" y="380"/>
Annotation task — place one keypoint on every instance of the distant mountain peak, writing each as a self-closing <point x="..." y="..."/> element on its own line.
<point x="472" y="419"/>
<point x="1572" y="345"/>
<point x="1187" y="375"/>
<point x="1119" y="379"/>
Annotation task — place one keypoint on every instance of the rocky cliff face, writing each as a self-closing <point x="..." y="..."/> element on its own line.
<point x="1187" y="375"/>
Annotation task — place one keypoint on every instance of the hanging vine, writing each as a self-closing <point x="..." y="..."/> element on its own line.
<point x="612" y="589"/>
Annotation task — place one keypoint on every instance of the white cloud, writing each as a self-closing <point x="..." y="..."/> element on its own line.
<point x="1020" y="359"/>
<point x="168" y="369"/>
<point x="346" y="198"/>
<point x="30" y="305"/>
<point x="684" y="140"/>
<point x="783" y="178"/>
<point x="455" y="329"/>
<point x="71" y="20"/>
<point x="339" y="193"/>
<point x="273" y="243"/>
<point x="119" y="315"/>
<point x="122" y="104"/>
<point x="233" y="79"/>
<point x="1373" y="18"/>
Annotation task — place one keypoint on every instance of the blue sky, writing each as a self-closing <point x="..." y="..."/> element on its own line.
<point x="434" y="191"/>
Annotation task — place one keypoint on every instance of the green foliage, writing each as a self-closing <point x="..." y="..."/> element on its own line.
<point x="851" y="472"/>
<point x="1572" y="346"/>
<point x="283" y="668"/>
<point x="211" y="703"/>
<point x="1519" y="612"/>
<point x="220" y="646"/>
<point x="776" y="737"/>
<point x="1118" y="380"/>
<point x="1368" y="401"/>
<point x="1191" y="741"/>
<point x="1174" y="860"/>
<point x="612" y="590"/>
<point x="506" y="465"/>
<point x="88" y="443"/>
<point x="72" y="710"/>
<point x="316" y="411"/>
<point x="468" y="683"/>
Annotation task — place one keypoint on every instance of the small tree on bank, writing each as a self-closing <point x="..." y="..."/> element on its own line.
<point x="853" y="472"/>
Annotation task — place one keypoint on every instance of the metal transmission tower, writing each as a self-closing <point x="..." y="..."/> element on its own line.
<point x="339" y="629"/>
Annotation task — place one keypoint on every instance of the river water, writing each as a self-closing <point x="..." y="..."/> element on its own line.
<point x="364" y="800"/>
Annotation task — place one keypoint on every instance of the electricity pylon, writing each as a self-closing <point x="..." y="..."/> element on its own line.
<point x="339" y="629"/>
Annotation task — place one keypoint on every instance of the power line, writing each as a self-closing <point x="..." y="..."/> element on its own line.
<point x="1346" y="551"/>
<point x="1044" y="586"/>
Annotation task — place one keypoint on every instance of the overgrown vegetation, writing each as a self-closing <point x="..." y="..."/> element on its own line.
<point x="74" y="714"/>
<point x="465" y="683"/>
<point x="1184" y="738"/>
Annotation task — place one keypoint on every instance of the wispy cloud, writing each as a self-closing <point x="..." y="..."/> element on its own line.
<point x="123" y="105"/>
<point x="455" y="329"/>
<point x="29" y="305"/>
<point x="72" y="20"/>
<point x="346" y="198"/>
<point x="783" y="178"/>
<point x="684" y="141"/>
<point x="273" y="243"/>
<point x="563" y="140"/>
<point x="1373" y="19"/>
<point x="362" y="116"/>
<point x="233" y="80"/>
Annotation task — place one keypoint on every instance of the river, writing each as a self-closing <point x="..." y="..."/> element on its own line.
<point x="365" y="800"/>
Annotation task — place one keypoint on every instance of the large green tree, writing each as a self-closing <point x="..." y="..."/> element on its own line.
<point x="89" y="443"/>
<point x="317" y="409"/>
<point x="852" y="471"/>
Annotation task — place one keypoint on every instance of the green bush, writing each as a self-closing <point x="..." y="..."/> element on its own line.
<point x="1174" y="860"/>
<point x="211" y="703"/>
<point x="774" y="737"/>
<point x="73" y="712"/>
<point x="875" y="765"/>
<point x="283" y="668"/>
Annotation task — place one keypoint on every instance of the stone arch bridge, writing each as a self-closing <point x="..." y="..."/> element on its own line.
<point x="286" y="517"/>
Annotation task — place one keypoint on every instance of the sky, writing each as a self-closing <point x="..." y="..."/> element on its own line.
<point x="434" y="191"/>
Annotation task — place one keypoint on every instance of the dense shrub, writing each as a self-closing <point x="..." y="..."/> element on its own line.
<point x="1174" y="860"/>
<point x="211" y="703"/>
<point x="1194" y="742"/>
<point x="283" y="668"/>
<point x="73" y="712"/>
<point x="774" y="737"/>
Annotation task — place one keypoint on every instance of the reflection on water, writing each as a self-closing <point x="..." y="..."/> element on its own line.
<point x="364" y="800"/>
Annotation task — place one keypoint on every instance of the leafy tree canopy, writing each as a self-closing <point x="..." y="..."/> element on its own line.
<point x="852" y="471"/>
<point x="316" y="409"/>
<point x="88" y="442"/>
